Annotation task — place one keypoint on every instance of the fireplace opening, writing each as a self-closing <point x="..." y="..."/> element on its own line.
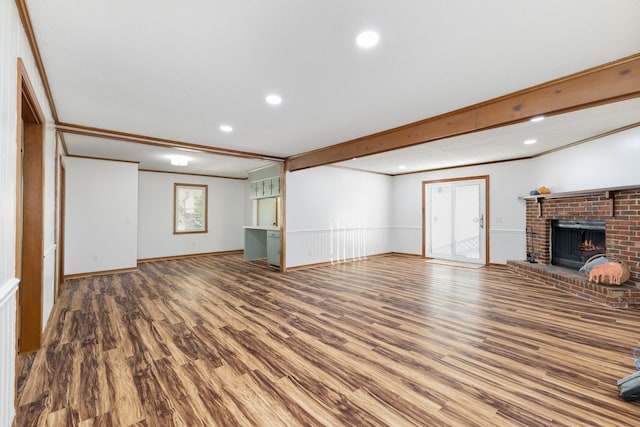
<point x="573" y="242"/>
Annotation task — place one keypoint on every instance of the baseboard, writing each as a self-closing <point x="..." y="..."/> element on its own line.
<point x="327" y="263"/>
<point x="174" y="257"/>
<point x="406" y="254"/>
<point x="98" y="273"/>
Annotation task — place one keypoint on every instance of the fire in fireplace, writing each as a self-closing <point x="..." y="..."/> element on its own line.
<point x="573" y="242"/>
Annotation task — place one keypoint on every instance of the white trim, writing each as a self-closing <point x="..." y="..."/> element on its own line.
<point x="8" y="289"/>
<point x="50" y="250"/>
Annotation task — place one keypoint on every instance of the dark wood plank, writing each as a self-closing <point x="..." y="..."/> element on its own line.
<point x="393" y="340"/>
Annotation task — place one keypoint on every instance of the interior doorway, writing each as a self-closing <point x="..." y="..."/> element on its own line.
<point x="29" y="214"/>
<point x="455" y="215"/>
<point x="61" y="228"/>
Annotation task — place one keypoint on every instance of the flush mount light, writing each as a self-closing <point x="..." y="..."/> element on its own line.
<point x="367" y="39"/>
<point x="274" y="99"/>
<point x="179" y="160"/>
<point x="226" y="128"/>
<point x="537" y="119"/>
<point x="402" y="167"/>
<point x="530" y="141"/>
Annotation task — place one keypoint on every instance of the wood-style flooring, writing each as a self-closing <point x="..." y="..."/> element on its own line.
<point x="390" y="341"/>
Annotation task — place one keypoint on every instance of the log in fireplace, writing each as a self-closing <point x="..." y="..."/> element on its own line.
<point x="573" y="242"/>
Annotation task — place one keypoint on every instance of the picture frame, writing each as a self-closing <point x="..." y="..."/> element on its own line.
<point x="190" y="208"/>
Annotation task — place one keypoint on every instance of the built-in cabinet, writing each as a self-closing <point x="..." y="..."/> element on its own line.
<point x="263" y="188"/>
<point x="273" y="247"/>
<point x="262" y="237"/>
<point x="262" y="242"/>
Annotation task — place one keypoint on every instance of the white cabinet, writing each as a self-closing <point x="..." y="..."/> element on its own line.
<point x="261" y="242"/>
<point x="253" y="190"/>
<point x="273" y="247"/>
<point x="269" y="187"/>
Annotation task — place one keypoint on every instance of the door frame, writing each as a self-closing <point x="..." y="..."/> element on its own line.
<point x="29" y="248"/>
<point x="486" y="201"/>
<point x="62" y="183"/>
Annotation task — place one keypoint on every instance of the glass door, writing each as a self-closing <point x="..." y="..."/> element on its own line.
<point x="455" y="219"/>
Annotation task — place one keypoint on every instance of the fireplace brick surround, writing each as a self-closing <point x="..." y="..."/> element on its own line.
<point x="619" y="208"/>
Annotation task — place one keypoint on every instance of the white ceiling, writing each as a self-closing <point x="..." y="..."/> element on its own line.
<point x="178" y="70"/>
<point x="157" y="158"/>
<point x="506" y="142"/>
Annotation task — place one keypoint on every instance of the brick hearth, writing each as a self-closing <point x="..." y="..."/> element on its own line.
<point x="619" y="208"/>
<point x="573" y="282"/>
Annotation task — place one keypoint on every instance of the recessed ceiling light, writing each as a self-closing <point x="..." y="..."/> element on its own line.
<point x="274" y="99"/>
<point x="530" y="141"/>
<point x="367" y="39"/>
<point x="179" y="160"/>
<point x="537" y="119"/>
<point x="401" y="167"/>
<point x="226" y="128"/>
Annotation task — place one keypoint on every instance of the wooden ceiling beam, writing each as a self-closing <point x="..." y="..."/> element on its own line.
<point x="158" y="142"/>
<point x="606" y="83"/>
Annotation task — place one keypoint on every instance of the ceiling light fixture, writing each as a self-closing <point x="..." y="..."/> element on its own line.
<point x="274" y="99"/>
<point x="367" y="39"/>
<point x="530" y="141"/>
<point x="226" y="128"/>
<point x="179" y="160"/>
<point x="537" y="119"/>
<point x="402" y="167"/>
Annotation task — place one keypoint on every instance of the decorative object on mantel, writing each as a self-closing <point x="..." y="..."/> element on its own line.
<point x="540" y="190"/>
<point x="543" y="190"/>
<point x="607" y="272"/>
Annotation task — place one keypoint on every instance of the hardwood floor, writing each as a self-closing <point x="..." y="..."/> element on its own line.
<point x="387" y="341"/>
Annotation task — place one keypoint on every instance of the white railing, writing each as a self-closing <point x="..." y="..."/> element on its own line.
<point x="335" y="244"/>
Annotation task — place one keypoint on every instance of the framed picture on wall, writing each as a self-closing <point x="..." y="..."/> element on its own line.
<point x="189" y="208"/>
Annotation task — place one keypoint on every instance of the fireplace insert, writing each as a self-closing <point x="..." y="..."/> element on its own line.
<point x="575" y="241"/>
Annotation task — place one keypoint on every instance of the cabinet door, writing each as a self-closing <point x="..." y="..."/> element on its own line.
<point x="253" y="190"/>
<point x="259" y="189"/>
<point x="269" y="187"/>
<point x="275" y="186"/>
<point x="273" y="247"/>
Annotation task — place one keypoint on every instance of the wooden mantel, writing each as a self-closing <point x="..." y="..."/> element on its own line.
<point x="606" y="191"/>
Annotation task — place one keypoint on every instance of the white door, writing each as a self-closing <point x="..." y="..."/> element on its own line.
<point x="455" y="220"/>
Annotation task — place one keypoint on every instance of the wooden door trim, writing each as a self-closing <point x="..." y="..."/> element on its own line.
<point x="61" y="221"/>
<point x="486" y="209"/>
<point x="29" y="213"/>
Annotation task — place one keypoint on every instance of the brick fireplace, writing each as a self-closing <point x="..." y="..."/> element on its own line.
<point x="619" y="208"/>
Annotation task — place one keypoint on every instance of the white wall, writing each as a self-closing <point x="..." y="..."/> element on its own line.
<point x="507" y="181"/>
<point x="14" y="44"/>
<point x="225" y="209"/>
<point x="336" y="214"/>
<point x="607" y="162"/>
<point x="101" y="216"/>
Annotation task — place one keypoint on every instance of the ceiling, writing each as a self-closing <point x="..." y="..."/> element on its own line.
<point x="177" y="71"/>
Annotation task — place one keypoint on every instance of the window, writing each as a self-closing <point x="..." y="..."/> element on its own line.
<point x="189" y="208"/>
